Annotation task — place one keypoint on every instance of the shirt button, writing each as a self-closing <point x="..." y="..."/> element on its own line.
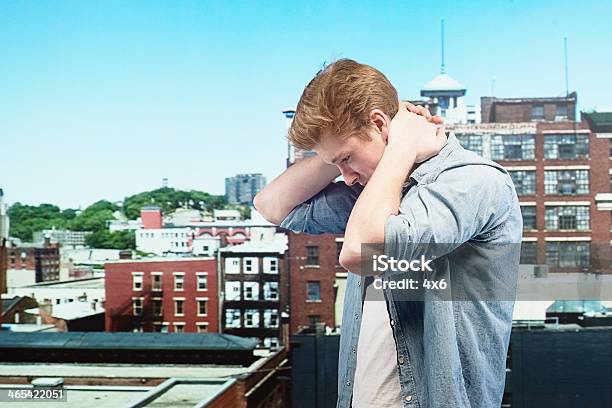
<point x="359" y="283"/>
<point x="348" y="383"/>
<point x="356" y="316"/>
<point x="401" y="359"/>
<point x="408" y="398"/>
<point x="392" y="322"/>
<point x="354" y="350"/>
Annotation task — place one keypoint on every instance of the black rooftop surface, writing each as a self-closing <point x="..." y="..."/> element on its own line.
<point x="126" y="341"/>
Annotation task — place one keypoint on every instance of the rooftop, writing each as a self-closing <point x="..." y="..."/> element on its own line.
<point x="546" y="99"/>
<point x="87" y="283"/>
<point x="8" y="303"/>
<point x="71" y="310"/>
<point x="277" y="246"/>
<point x="29" y="328"/>
<point x="137" y="385"/>
<point x="164" y="259"/>
<point x="443" y="82"/>
<point x="600" y="121"/>
<point x="126" y="341"/>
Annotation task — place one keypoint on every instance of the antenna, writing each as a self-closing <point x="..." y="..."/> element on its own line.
<point x="566" y="74"/>
<point x="442" y="48"/>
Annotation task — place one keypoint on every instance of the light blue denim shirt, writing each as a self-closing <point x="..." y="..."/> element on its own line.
<point x="449" y="353"/>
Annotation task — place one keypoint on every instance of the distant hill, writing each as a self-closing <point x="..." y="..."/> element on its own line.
<point x="26" y="219"/>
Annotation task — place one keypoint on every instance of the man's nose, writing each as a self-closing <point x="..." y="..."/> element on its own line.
<point x="350" y="176"/>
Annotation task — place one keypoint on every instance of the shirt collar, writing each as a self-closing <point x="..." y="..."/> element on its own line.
<point x="434" y="162"/>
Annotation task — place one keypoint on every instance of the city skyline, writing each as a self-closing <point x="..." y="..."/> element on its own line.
<point x="105" y="100"/>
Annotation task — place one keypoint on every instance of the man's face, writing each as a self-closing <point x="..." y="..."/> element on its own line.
<point x="355" y="157"/>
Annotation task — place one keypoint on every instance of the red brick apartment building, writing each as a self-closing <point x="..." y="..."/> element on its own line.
<point x="314" y="270"/>
<point x="561" y="171"/>
<point x="162" y="294"/>
<point x="44" y="259"/>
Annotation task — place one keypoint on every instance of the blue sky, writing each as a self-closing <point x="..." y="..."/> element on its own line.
<point x="102" y="99"/>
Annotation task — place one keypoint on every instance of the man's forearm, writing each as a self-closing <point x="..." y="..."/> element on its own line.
<point x="379" y="200"/>
<point x="295" y="185"/>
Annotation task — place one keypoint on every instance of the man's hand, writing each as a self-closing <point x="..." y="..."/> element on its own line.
<point x="414" y="131"/>
<point x="423" y="111"/>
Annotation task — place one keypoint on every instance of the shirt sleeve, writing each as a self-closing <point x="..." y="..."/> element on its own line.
<point x="461" y="204"/>
<point x="326" y="212"/>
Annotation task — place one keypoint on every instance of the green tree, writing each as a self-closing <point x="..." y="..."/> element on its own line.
<point x="26" y="219"/>
<point x="95" y="217"/>
<point x="169" y="199"/>
<point x="112" y="240"/>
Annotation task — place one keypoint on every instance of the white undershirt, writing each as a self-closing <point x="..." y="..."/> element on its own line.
<point x="376" y="375"/>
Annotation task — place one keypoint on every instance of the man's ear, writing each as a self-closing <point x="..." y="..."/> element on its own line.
<point x="381" y="123"/>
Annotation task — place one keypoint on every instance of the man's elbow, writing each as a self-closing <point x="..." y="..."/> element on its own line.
<point x="264" y="208"/>
<point x="350" y="258"/>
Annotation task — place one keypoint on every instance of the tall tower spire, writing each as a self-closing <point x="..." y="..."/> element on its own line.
<point x="442" y="47"/>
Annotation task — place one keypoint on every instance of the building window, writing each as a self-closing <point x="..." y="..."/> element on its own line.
<point x="202" y="280"/>
<point x="471" y="142"/>
<point x="179" y="281"/>
<point x="537" y="112"/>
<point x="251" y="290"/>
<point x="137" y="281"/>
<point x="251" y="318"/>
<point x="529" y="217"/>
<point x="524" y="181"/>
<point x="156" y="278"/>
<point x="529" y="253"/>
<point x="251" y="265"/>
<point x="157" y="305"/>
<point x="271" y="343"/>
<point x="566" y="182"/>
<point x="512" y="147"/>
<point x="561" y="112"/>
<point x="562" y="218"/>
<point x="179" y="327"/>
<point x="179" y="307"/>
<point x="271" y="318"/>
<point x="567" y="147"/>
<point x="314" y="291"/>
<point x="232" y="265"/>
<point x="202" y="327"/>
<point x="312" y="255"/>
<point x="137" y="306"/>
<point x="270" y="290"/>
<point x="314" y="320"/>
<point x="568" y="254"/>
<point x="202" y="307"/>
<point x="270" y="265"/>
<point x="232" y="290"/>
<point x="232" y="318"/>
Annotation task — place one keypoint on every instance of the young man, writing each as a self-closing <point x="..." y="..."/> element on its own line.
<point x="405" y="183"/>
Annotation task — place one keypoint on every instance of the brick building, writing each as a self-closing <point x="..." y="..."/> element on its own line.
<point x="315" y="278"/>
<point x="255" y="290"/>
<point x="43" y="259"/>
<point x="559" y="167"/>
<point x="162" y="294"/>
<point x="522" y="110"/>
